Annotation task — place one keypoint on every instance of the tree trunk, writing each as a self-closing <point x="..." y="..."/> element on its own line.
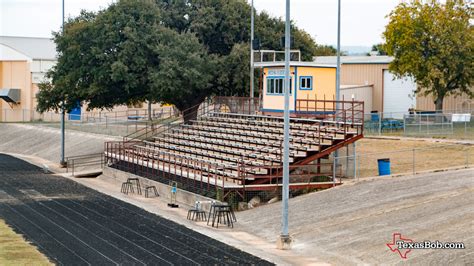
<point x="149" y="111"/>
<point x="190" y="113"/>
<point x="439" y="103"/>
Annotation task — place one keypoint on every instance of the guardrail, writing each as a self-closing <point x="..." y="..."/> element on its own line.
<point x="96" y="159"/>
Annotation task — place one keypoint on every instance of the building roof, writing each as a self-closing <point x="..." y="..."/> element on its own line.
<point x="35" y="48"/>
<point x="345" y="87"/>
<point x="382" y="59"/>
<point x="292" y="63"/>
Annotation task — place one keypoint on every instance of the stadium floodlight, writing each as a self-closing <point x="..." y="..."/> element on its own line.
<point x="284" y="241"/>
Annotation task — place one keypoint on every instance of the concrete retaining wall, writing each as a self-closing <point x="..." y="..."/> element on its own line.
<point x="45" y="142"/>
<point x="183" y="197"/>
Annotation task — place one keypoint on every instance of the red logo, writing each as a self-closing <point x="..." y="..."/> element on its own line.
<point x="398" y="245"/>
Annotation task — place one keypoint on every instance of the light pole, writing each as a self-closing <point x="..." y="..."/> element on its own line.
<point x="284" y="241"/>
<point x="63" y="114"/>
<point x="338" y="71"/>
<point x="251" y="51"/>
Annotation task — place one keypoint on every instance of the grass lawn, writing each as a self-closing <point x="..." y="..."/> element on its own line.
<point x="14" y="250"/>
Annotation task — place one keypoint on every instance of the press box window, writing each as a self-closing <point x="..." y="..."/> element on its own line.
<point x="306" y="83"/>
<point x="276" y="85"/>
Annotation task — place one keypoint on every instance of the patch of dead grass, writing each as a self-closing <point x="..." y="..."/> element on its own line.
<point x="427" y="155"/>
<point x="14" y="250"/>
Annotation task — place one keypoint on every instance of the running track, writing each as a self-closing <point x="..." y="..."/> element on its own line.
<point x="74" y="225"/>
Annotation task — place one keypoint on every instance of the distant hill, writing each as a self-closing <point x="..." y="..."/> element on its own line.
<point x="355" y="50"/>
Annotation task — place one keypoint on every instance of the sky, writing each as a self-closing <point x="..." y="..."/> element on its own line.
<point x="362" y="21"/>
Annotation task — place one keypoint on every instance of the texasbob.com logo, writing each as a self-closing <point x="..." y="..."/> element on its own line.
<point x="403" y="245"/>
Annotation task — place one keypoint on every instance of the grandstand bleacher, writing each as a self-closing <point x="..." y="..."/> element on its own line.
<point x="228" y="145"/>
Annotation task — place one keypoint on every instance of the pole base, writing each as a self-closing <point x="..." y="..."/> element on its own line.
<point x="284" y="242"/>
<point x="63" y="164"/>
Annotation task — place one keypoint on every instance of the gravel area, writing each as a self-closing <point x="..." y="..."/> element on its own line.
<point x="74" y="225"/>
<point x="352" y="224"/>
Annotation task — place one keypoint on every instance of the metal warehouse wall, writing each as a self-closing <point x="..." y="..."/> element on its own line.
<point x="365" y="74"/>
<point x="16" y="74"/>
<point x="361" y="93"/>
<point x="362" y="74"/>
<point x="450" y="103"/>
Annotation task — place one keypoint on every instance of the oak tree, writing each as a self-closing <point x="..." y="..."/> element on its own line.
<point x="433" y="43"/>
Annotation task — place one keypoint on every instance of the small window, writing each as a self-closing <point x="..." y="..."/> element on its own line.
<point x="306" y="83"/>
<point x="279" y="86"/>
<point x="276" y="85"/>
<point x="270" y="86"/>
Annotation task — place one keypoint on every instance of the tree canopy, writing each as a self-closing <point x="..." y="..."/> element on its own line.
<point x="173" y="51"/>
<point x="433" y="43"/>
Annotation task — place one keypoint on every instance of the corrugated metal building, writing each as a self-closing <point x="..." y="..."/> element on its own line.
<point x="389" y="94"/>
<point x="23" y="64"/>
<point x="359" y="93"/>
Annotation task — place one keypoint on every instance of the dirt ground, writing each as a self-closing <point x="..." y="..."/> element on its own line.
<point x="408" y="155"/>
<point x="15" y="251"/>
<point x="352" y="224"/>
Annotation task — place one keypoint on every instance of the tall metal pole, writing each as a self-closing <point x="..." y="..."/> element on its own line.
<point x="338" y="68"/>
<point x="286" y="140"/>
<point x="252" y="24"/>
<point x="63" y="114"/>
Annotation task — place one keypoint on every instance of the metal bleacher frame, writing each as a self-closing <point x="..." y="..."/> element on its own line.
<point x="226" y="145"/>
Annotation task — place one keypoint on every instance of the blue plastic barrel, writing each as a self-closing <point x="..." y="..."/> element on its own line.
<point x="384" y="166"/>
<point x="374" y="116"/>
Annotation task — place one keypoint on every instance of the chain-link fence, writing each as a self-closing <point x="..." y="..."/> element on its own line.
<point x="119" y="123"/>
<point x="449" y="124"/>
<point x="406" y="161"/>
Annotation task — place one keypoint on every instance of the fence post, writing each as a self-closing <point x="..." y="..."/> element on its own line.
<point x="347" y="161"/>
<point x="380" y="123"/>
<point x="358" y="168"/>
<point x="354" y="156"/>
<point x="467" y="157"/>
<point x="414" y="169"/>
<point x="405" y="123"/>
<point x="334" y="170"/>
